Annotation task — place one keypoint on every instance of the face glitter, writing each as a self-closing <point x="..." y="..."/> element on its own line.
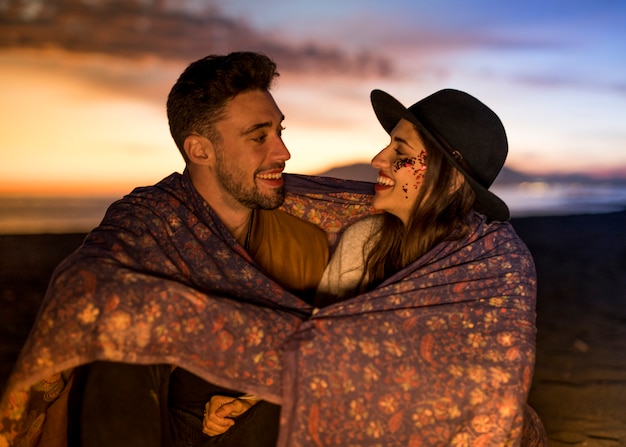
<point x="404" y="163"/>
<point x="421" y="171"/>
<point x="405" y="188"/>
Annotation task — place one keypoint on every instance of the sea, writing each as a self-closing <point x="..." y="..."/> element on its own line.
<point x="57" y="215"/>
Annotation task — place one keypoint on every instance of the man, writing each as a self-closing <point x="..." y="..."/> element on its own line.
<point x="228" y="128"/>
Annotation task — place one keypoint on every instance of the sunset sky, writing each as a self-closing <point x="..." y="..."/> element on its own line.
<point x="83" y="83"/>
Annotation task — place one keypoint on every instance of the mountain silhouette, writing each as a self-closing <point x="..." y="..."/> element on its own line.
<point x="356" y="171"/>
<point x="508" y="176"/>
<point x="364" y="172"/>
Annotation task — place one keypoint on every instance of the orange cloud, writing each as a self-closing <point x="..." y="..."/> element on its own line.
<point x="137" y="29"/>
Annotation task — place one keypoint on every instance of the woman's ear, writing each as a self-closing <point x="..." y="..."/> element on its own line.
<point x="199" y="149"/>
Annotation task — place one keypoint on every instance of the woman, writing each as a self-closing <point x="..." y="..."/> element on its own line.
<point x="445" y="152"/>
<point x="424" y="332"/>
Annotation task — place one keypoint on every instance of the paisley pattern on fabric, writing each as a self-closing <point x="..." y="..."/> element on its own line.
<point x="443" y="357"/>
<point x="440" y="354"/>
<point x="159" y="277"/>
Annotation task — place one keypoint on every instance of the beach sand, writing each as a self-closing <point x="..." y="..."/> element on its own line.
<point x="579" y="387"/>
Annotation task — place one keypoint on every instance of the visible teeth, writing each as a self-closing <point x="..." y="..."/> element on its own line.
<point x="386" y="181"/>
<point x="274" y="176"/>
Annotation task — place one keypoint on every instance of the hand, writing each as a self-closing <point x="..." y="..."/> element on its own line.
<point x="219" y="411"/>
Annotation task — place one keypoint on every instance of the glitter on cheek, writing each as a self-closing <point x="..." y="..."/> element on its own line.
<point x="404" y="163"/>
<point x="405" y="189"/>
<point x="420" y="172"/>
<point x="422" y="158"/>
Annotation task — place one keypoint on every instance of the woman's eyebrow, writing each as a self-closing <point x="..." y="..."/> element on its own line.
<point x="403" y="141"/>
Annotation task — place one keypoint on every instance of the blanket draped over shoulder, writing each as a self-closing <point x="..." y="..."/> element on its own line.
<point x="437" y="358"/>
<point x="440" y="354"/>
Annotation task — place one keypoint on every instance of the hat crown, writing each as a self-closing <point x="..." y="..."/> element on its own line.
<point x="465" y="125"/>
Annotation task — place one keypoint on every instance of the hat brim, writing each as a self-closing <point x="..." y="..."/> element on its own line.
<point x="390" y="111"/>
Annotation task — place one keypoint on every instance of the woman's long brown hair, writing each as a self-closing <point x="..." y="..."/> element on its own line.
<point x="439" y="214"/>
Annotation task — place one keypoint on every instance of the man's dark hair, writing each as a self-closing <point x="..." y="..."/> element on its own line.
<point x="199" y="97"/>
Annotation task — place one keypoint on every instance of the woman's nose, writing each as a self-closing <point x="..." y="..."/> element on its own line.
<point x="379" y="161"/>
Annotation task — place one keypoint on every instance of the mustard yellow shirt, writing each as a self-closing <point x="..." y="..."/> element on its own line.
<point x="292" y="252"/>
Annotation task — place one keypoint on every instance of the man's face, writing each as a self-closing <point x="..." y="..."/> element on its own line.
<point x="251" y="155"/>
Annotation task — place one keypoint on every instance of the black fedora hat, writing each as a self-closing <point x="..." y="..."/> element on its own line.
<point x="468" y="132"/>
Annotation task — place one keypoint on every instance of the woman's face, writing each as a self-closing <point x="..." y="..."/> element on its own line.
<point x="401" y="169"/>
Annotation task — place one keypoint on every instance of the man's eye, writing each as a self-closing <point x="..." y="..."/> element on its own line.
<point x="260" y="139"/>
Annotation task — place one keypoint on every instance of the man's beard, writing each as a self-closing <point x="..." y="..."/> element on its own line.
<point x="233" y="181"/>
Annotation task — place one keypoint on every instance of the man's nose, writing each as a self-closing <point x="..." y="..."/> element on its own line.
<point x="280" y="151"/>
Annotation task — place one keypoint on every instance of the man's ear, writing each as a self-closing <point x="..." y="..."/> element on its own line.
<point x="199" y="149"/>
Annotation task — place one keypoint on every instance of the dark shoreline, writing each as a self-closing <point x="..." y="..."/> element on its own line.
<point x="579" y="387"/>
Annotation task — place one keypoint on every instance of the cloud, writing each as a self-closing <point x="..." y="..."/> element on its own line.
<point x="551" y="82"/>
<point x="132" y="29"/>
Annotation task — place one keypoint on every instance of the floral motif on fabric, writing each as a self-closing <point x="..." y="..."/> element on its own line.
<point x="418" y="361"/>
<point x="440" y="354"/>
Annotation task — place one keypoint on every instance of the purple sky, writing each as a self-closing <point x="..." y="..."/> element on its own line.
<point x="84" y="82"/>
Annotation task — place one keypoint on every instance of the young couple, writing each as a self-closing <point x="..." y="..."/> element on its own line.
<point x="433" y="183"/>
<point x="205" y="302"/>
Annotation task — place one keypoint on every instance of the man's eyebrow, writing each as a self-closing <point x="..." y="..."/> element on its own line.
<point x="258" y="126"/>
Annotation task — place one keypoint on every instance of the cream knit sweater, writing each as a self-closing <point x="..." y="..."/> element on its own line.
<point x="343" y="273"/>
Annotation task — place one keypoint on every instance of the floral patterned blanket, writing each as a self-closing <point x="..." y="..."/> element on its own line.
<point x="441" y="354"/>
<point x="444" y="356"/>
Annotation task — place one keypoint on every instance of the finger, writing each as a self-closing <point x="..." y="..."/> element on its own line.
<point x="227" y="409"/>
<point x="233" y="409"/>
<point x="216" y="414"/>
<point x="211" y="425"/>
<point x="216" y="402"/>
<point x="217" y="419"/>
<point x="214" y="430"/>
